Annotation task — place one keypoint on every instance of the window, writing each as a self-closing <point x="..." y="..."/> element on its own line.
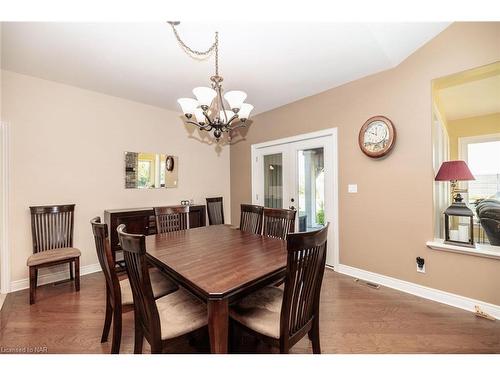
<point x="482" y="155"/>
<point x="144" y="175"/>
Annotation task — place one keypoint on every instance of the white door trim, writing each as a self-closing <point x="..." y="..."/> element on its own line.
<point x="4" y="209"/>
<point x="333" y="132"/>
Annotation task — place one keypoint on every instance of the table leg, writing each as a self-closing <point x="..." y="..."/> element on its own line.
<point x="218" y="323"/>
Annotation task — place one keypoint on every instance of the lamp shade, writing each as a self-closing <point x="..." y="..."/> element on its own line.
<point x="205" y="95"/>
<point x="188" y="105"/>
<point x="235" y="98"/>
<point x="455" y="170"/>
<point x="245" y="110"/>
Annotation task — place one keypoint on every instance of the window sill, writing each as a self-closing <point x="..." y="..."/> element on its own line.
<point x="481" y="250"/>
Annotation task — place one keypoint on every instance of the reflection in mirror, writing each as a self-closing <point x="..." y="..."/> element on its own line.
<point x="150" y="170"/>
<point x="466" y="126"/>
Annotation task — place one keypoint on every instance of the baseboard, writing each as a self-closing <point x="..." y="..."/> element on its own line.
<point x="53" y="277"/>
<point x="437" y="295"/>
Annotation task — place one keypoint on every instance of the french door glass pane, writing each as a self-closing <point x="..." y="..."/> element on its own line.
<point x="273" y="181"/>
<point x="311" y="173"/>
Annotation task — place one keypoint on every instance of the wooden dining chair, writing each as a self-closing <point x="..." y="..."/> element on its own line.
<point x="171" y="218"/>
<point x="251" y="218"/>
<point x="159" y="321"/>
<point x="119" y="297"/>
<point x="52" y="233"/>
<point x="282" y="317"/>
<point x="278" y="223"/>
<point x="215" y="210"/>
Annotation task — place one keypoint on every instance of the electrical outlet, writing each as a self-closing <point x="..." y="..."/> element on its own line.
<point x="420" y="265"/>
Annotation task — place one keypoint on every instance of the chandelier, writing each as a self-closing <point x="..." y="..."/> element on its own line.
<point x="212" y="109"/>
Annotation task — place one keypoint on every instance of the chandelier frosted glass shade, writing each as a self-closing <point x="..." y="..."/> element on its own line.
<point x="235" y="98"/>
<point x="188" y="105"/>
<point x="205" y="95"/>
<point x="245" y="111"/>
<point x="200" y="117"/>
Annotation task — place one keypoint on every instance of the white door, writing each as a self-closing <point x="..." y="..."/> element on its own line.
<point x="300" y="173"/>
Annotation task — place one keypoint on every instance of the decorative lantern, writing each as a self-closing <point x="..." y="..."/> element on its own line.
<point x="458" y="218"/>
<point x="458" y="225"/>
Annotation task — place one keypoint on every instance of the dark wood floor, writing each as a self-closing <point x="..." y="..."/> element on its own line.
<point x="354" y="319"/>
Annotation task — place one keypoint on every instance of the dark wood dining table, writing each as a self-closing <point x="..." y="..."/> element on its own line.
<point x="219" y="265"/>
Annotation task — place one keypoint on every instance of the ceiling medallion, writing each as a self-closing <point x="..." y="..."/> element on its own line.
<point x="213" y="110"/>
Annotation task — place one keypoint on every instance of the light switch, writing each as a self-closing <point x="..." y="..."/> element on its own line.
<point x="352" y="188"/>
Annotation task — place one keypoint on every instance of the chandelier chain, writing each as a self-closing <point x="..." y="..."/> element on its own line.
<point x="214" y="46"/>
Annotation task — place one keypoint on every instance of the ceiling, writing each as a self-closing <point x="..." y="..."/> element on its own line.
<point x="275" y="63"/>
<point x="471" y="99"/>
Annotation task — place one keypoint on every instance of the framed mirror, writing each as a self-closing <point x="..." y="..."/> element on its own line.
<point x="147" y="170"/>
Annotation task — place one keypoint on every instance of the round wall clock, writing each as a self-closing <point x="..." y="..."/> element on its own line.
<point x="377" y="136"/>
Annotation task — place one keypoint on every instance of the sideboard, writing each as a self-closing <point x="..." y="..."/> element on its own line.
<point x="142" y="221"/>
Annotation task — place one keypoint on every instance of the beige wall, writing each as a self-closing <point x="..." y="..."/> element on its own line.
<point x="385" y="226"/>
<point x="469" y="127"/>
<point x="68" y="144"/>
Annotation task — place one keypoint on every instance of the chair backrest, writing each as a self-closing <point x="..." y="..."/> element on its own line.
<point x="52" y="226"/>
<point x="171" y="218"/>
<point x="215" y="211"/>
<point x="304" y="275"/>
<point x="102" y="246"/>
<point x="251" y="218"/>
<point x="278" y="222"/>
<point x="134" y="253"/>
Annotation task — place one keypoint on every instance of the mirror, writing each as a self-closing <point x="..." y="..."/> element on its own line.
<point x="147" y="170"/>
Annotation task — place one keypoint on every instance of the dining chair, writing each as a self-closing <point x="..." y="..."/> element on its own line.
<point x="52" y="234"/>
<point x="171" y="218"/>
<point x="282" y="317"/>
<point x="251" y="218"/>
<point x="119" y="297"/>
<point x="160" y="321"/>
<point x="215" y="210"/>
<point x="278" y="223"/>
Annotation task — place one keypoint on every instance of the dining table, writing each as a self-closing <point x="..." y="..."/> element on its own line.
<point x="220" y="265"/>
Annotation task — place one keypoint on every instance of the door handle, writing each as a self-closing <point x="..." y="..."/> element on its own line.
<point x="292" y="208"/>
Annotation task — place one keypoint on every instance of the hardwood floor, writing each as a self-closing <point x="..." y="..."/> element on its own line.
<point x="354" y="319"/>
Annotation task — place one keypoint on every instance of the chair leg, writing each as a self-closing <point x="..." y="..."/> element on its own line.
<point x="138" y="335"/>
<point x="284" y="347"/>
<point x="36" y="277"/>
<point x="107" y="319"/>
<point x="315" y="336"/>
<point x="77" y="274"/>
<point x="117" y="330"/>
<point x="233" y="337"/>
<point x="33" y="277"/>
<point x="71" y="277"/>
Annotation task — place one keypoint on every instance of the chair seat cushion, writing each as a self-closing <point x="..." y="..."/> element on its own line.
<point x="260" y="311"/>
<point x="160" y="283"/>
<point x="53" y="255"/>
<point x="180" y="313"/>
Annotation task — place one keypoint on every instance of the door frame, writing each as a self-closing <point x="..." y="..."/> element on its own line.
<point x="333" y="133"/>
<point x="4" y="209"/>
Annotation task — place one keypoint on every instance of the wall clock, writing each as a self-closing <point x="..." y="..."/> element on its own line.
<point x="377" y="136"/>
<point x="169" y="163"/>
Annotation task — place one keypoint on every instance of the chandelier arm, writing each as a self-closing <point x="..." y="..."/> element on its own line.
<point x="202" y="127"/>
<point x="232" y="119"/>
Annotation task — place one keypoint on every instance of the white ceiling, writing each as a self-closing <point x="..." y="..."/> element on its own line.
<point x="275" y="63"/>
<point x="475" y="98"/>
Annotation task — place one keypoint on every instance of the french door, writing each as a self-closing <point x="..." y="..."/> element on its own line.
<point x="300" y="173"/>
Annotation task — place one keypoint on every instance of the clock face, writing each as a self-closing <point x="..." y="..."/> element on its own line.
<point x="377" y="136"/>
